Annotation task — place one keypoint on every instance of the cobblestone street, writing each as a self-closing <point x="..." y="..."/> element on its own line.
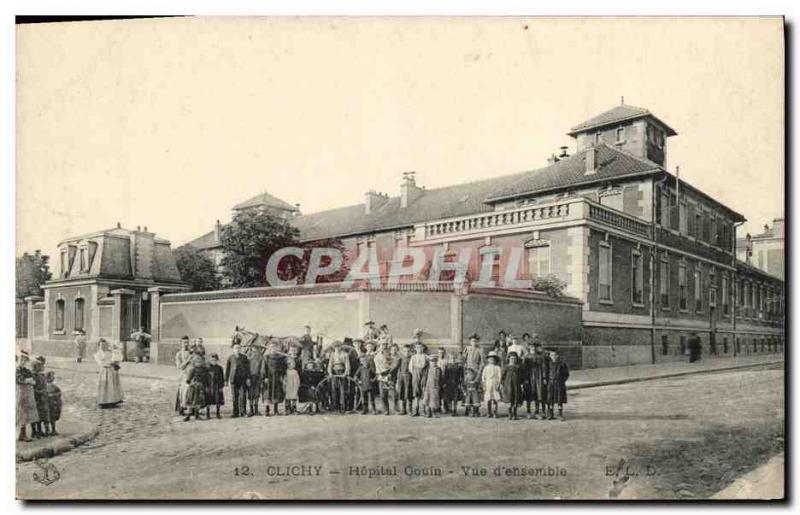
<point x="656" y="439"/>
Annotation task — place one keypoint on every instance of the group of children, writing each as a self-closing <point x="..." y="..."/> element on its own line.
<point x="357" y="375"/>
<point x="38" y="398"/>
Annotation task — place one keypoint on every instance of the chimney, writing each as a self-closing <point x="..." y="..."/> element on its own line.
<point x="119" y="225"/>
<point x="409" y="191"/>
<point x="372" y="201"/>
<point x="591" y="161"/>
<point x="298" y="212"/>
<point x="217" y="230"/>
<point x="563" y="153"/>
<point x="778" y="227"/>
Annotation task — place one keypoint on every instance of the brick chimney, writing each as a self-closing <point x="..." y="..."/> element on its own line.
<point x="373" y="200"/>
<point x="591" y="161"/>
<point x="217" y="230"/>
<point x="409" y="191"/>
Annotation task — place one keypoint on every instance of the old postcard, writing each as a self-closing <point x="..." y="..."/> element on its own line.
<point x="408" y="258"/>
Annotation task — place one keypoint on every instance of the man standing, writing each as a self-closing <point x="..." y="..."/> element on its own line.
<point x="403" y="385"/>
<point x="695" y="347"/>
<point x="338" y="369"/>
<point x="307" y="345"/>
<point x="80" y="344"/>
<point x="370" y="333"/>
<point x="385" y="366"/>
<point x="473" y="355"/>
<point x="237" y="375"/>
<point x="257" y="369"/>
<point x="142" y="340"/>
<point x="182" y="359"/>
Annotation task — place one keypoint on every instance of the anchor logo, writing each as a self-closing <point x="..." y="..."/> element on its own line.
<point x="49" y="475"/>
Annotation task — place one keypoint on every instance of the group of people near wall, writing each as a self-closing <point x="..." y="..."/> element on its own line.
<point x="38" y="398"/>
<point x="353" y="375"/>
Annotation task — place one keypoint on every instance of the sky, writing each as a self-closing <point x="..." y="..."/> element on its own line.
<point x="168" y="123"/>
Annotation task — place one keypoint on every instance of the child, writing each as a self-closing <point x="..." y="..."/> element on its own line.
<point x="310" y="380"/>
<point x="557" y="385"/>
<point x="491" y="381"/>
<point x="367" y="380"/>
<point x="54" y="401"/>
<point x="417" y="366"/>
<point x="196" y="394"/>
<point x="453" y="375"/>
<point x="40" y="429"/>
<point x="291" y="385"/>
<point x="26" y="400"/>
<point x="433" y="384"/>
<point x="472" y="392"/>
<point x="512" y="386"/>
<point x="216" y="385"/>
<point x="539" y="367"/>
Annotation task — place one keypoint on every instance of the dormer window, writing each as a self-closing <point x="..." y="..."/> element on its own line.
<point x="598" y="137"/>
<point x="83" y="260"/>
<point x="621" y="135"/>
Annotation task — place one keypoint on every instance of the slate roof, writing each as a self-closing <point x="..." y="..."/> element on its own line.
<point x="265" y="199"/>
<point x="611" y="163"/>
<point x="617" y="114"/>
<point x="432" y="204"/>
<point x="207" y="241"/>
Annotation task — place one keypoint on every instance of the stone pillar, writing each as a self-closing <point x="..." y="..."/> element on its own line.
<point x="155" y="321"/>
<point x="116" y="318"/>
<point x="30" y="301"/>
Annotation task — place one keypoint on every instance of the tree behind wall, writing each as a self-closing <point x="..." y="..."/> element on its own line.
<point x="249" y="240"/>
<point x="196" y="269"/>
<point x="32" y="271"/>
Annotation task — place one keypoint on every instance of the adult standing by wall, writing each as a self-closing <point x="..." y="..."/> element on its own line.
<point x="109" y="386"/>
<point x="142" y="341"/>
<point x="237" y="375"/>
<point x="695" y="347"/>
<point x="80" y="344"/>
<point x="26" y="401"/>
<point x="182" y="358"/>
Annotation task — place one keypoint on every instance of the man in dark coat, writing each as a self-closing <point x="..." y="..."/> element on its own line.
<point x="557" y="385"/>
<point x="695" y="347"/>
<point x="367" y="383"/>
<point x="237" y="375"/>
<point x="452" y="380"/>
<point x="275" y="372"/>
<point x="257" y="363"/>
<point x="307" y="347"/>
<point x="403" y="388"/>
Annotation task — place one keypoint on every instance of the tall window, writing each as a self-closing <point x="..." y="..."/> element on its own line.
<point x="684" y="221"/>
<point x="64" y="271"/>
<point x="698" y="290"/>
<point x="598" y="137"/>
<point x="538" y="260"/>
<point x="83" y="261"/>
<point x="60" y="315"/>
<point x="682" y="293"/>
<point x="714" y="236"/>
<point x="726" y="308"/>
<point x="637" y="277"/>
<point x="712" y="288"/>
<point x="698" y="225"/>
<point x="492" y="255"/>
<point x="604" y="271"/>
<point x="665" y="210"/>
<point x="663" y="281"/>
<point x="621" y="135"/>
<point x="79" y="314"/>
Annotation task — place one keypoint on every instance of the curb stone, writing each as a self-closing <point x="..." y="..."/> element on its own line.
<point x="612" y="382"/>
<point x="58" y="446"/>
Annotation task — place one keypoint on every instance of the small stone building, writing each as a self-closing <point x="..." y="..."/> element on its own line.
<point x="104" y="285"/>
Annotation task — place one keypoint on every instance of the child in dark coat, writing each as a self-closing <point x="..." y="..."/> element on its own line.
<point x="512" y="385"/>
<point x="557" y="385"/>
<point x="472" y="392"/>
<point x="216" y="385"/>
<point x="432" y="391"/>
<point x="198" y="382"/>
<point x="40" y="428"/>
<point x="310" y="390"/>
<point x="54" y="402"/>
<point x="451" y="385"/>
<point x="367" y="383"/>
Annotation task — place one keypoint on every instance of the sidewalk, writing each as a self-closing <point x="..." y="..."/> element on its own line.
<point x="578" y="378"/>
<point x="71" y="434"/>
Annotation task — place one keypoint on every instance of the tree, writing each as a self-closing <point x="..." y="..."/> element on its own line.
<point x="32" y="271"/>
<point x="196" y="269"/>
<point x="249" y="240"/>
<point x="549" y="284"/>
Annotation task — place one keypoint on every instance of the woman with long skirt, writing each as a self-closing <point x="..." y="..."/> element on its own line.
<point x="109" y="387"/>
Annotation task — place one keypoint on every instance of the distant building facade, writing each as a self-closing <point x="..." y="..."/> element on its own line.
<point x="766" y="250"/>
<point x="651" y="258"/>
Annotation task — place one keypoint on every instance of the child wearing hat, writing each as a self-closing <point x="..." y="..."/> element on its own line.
<point x="433" y="384"/>
<point x="367" y="381"/>
<point x="491" y="380"/>
<point x="512" y="385"/>
<point x="418" y="366"/>
<point x="216" y="385"/>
